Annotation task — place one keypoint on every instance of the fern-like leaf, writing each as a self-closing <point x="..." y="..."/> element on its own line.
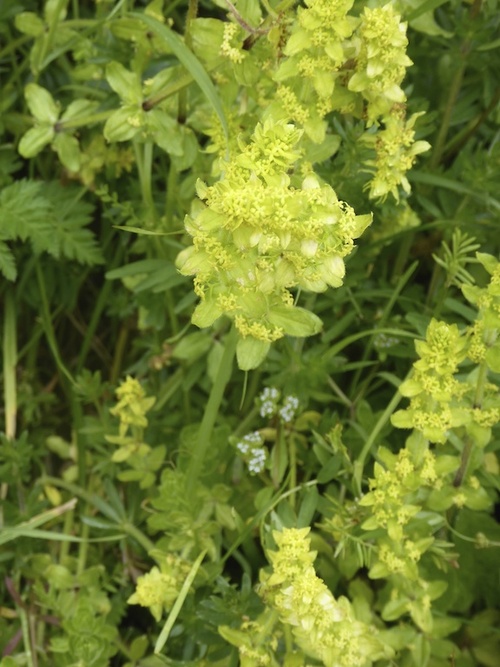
<point x="7" y="262"/>
<point x="53" y="218"/>
<point x="70" y="215"/>
<point x="22" y="208"/>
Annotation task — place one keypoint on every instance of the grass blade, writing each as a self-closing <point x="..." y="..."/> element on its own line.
<point x="190" y="62"/>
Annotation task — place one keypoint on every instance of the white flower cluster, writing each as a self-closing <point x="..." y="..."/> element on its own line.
<point x="269" y="399"/>
<point x="382" y="341"/>
<point x="250" y="446"/>
<point x="269" y="405"/>
<point x="289" y="408"/>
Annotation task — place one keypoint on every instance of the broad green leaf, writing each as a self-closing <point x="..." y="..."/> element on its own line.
<point x="205" y="314"/>
<point x="29" y="24"/>
<point x="251" y="352"/>
<point x="41" y="104"/>
<point x="126" y="84"/>
<point x="295" y="321"/>
<point x="123" y="124"/>
<point x="68" y="150"/>
<point x="79" y="108"/>
<point x="165" y="131"/>
<point x="35" y="139"/>
<point x="190" y="62"/>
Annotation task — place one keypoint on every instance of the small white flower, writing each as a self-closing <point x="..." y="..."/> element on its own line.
<point x="289" y="408"/>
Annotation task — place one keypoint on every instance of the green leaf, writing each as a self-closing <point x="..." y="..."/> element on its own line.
<point x="22" y="210"/>
<point x="165" y="131"/>
<point x="68" y="150"/>
<point x="35" y="139"/>
<point x="295" y="321"/>
<point x="69" y="218"/>
<point x="123" y="124"/>
<point x="7" y="262"/>
<point x="251" y="352"/>
<point x="79" y="108"/>
<point x="126" y="84"/>
<point x="190" y="62"/>
<point x="29" y="24"/>
<point x="205" y="314"/>
<point x="41" y="103"/>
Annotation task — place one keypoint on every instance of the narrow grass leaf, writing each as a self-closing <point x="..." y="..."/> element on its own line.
<point x="190" y="62"/>
<point x="172" y="617"/>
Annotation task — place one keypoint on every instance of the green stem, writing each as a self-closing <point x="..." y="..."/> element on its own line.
<point x="456" y="84"/>
<point x="100" y="305"/>
<point x="170" y="199"/>
<point x="9" y="365"/>
<point x="47" y="43"/>
<point x="121" y="344"/>
<point x="292" y="462"/>
<point x="47" y="324"/>
<point x="25" y="628"/>
<point x="202" y="442"/>
<point x="382" y="421"/>
<point x="469" y="444"/>
<point x="188" y="41"/>
<point x="144" y="161"/>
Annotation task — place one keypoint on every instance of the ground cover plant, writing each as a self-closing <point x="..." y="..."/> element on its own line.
<point x="250" y="292"/>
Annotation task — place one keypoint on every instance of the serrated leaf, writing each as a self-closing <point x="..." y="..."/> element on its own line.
<point x="22" y="208"/>
<point x="7" y="262"/>
<point x="70" y="215"/>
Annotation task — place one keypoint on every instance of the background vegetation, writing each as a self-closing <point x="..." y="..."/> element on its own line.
<point x="156" y="501"/>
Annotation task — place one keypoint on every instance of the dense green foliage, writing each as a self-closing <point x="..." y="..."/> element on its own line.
<point x="250" y="291"/>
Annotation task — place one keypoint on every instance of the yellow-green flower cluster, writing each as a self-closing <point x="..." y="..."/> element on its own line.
<point x="353" y="65"/>
<point x="158" y="589"/>
<point x="323" y="627"/>
<point x="228" y="47"/>
<point x="132" y="406"/>
<point x="392" y="490"/>
<point x="315" y="52"/>
<point x="382" y="61"/>
<point x="256" y="641"/>
<point x="485" y="342"/>
<point x="395" y="153"/>
<point x="260" y="233"/>
<point x="436" y="404"/>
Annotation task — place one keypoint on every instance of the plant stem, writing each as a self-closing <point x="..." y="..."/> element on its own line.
<point x="202" y="442"/>
<point x="469" y="444"/>
<point x="47" y="325"/>
<point x="383" y="419"/>
<point x="144" y="160"/>
<point x="292" y="462"/>
<point x="455" y="86"/>
<point x="9" y="365"/>
<point x="47" y="43"/>
<point x="188" y="41"/>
